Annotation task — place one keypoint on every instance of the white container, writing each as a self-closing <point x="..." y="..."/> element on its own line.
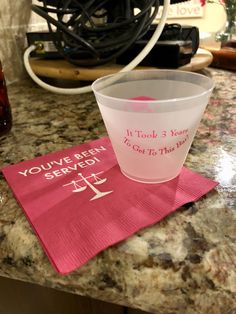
<point x="151" y="138"/>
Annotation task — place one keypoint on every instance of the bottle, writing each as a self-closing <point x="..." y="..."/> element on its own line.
<point x="5" y="109"/>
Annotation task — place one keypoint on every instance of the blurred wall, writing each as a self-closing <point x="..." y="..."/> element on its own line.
<point x="14" y="18"/>
<point x="209" y="18"/>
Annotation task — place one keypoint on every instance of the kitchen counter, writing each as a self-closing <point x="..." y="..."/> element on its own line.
<point x="184" y="264"/>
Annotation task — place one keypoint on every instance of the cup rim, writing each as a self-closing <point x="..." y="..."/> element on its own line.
<point x="159" y="101"/>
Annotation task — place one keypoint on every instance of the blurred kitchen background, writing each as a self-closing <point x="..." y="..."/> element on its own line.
<point x="16" y="18"/>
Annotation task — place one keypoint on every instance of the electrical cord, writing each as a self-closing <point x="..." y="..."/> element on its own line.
<point x="63" y="28"/>
<point x="82" y="36"/>
<point x="129" y="67"/>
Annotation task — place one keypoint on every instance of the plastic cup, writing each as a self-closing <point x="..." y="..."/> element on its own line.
<point x="151" y="117"/>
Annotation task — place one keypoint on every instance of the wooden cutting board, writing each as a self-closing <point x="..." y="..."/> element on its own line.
<point x="61" y="69"/>
<point x="224" y="58"/>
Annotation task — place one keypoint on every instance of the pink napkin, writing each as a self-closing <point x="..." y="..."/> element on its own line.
<point x="79" y="203"/>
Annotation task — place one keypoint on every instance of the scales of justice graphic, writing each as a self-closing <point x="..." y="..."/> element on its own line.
<point x="92" y="185"/>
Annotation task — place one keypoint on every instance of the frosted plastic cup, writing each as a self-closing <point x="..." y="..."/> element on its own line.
<point x="151" y="117"/>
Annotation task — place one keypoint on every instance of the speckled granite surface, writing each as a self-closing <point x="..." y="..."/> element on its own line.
<point x="184" y="264"/>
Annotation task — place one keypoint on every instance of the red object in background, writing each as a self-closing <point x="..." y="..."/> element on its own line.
<point x="5" y="109"/>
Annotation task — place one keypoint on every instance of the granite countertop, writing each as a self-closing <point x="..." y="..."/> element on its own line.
<point x="184" y="264"/>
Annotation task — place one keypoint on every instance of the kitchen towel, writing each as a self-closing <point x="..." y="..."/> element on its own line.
<point x="79" y="203"/>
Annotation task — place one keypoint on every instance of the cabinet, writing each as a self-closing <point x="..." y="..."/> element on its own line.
<point x="17" y="297"/>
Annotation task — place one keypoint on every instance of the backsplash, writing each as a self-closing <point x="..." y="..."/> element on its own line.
<point x="14" y="18"/>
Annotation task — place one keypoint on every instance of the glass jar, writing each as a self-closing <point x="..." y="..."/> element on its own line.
<point x="228" y="34"/>
<point x="5" y="109"/>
